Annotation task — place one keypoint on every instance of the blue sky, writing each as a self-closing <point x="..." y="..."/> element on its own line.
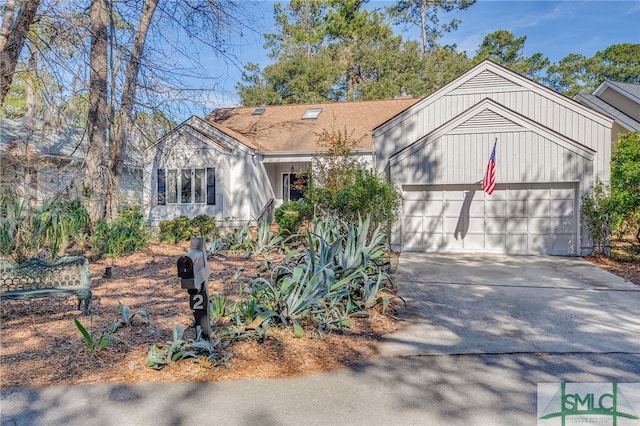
<point x="554" y="28"/>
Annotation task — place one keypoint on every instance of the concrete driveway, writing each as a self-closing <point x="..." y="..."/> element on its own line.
<point x="466" y="304"/>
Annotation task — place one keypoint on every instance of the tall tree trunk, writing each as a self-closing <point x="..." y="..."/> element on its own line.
<point x="30" y="115"/>
<point x="14" y="43"/>
<point x="7" y="21"/>
<point x="125" y="121"/>
<point x="424" y="5"/>
<point x="96" y="177"/>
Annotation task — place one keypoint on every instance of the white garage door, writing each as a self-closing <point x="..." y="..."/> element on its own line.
<point x="515" y="219"/>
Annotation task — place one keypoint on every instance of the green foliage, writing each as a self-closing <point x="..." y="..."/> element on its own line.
<point x="252" y="242"/>
<point x="97" y="341"/>
<point x="127" y="234"/>
<point x="183" y="229"/>
<point x="625" y="173"/>
<point x="161" y="355"/>
<point x="327" y="50"/>
<point x="179" y="229"/>
<point x="343" y="186"/>
<point x="128" y="317"/>
<point x="204" y="226"/>
<point x="577" y="73"/>
<point x="30" y="232"/>
<point x="625" y="184"/>
<point x="426" y="16"/>
<point x="339" y="271"/>
<point x="290" y="216"/>
<point x="504" y="48"/>
<point x="597" y="212"/>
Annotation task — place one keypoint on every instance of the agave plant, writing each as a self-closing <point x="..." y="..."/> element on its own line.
<point x="127" y="316"/>
<point x="161" y="355"/>
<point x="266" y="241"/>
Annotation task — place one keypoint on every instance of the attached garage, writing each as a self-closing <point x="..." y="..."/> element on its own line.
<point x="550" y="150"/>
<point x="535" y="218"/>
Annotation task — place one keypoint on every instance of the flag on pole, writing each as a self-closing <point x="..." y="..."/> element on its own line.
<point x="489" y="181"/>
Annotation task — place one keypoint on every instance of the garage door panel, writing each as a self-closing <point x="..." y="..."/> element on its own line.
<point x="413" y="208"/>
<point x="473" y="242"/>
<point x="463" y="226"/>
<point x="559" y="243"/>
<point x="496" y="225"/>
<point x="539" y="243"/>
<point x="539" y="208"/>
<point x="433" y="242"/>
<point x="432" y="195"/>
<point x="413" y="225"/>
<point x="538" y="194"/>
<point x="453" y="242"/>
<point x="517" y="225"/>
<point x="562" y="193"/>
<point x="434" y="208"/>
<point x="516" y="218"/>
<point x="538" y="225"/>
<point x="496" y="208"/>
<point x="517" y="208"/>
<point x="562" y="225"/>
<point x="563" y="207"/>
<point x="496" y="242"/>
<point x="413" y="195"/>
<point x="517" y="244"/>
<point x="413" y="241"/>
<point x="517" y="194"/>
<point x="459" y="207"/>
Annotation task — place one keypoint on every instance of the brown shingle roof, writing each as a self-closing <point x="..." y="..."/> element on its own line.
<point x="281" y="128"/>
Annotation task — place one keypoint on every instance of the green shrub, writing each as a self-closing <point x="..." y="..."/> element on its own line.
<point x="47" y="232"/>
<point x="179" y="229"/>
<point x="205" y="226"/>
<point x="291" y="214"/>
<point x="183" y="228"/>
<point x="597" y="212"/>
<point x="127" y="234"/>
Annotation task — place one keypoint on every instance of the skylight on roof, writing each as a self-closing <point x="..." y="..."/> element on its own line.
<point x="258" y="111"/>
<point x="312" y="113"/>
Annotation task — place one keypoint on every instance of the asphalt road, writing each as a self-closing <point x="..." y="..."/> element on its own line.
<point x="480" y="333"/>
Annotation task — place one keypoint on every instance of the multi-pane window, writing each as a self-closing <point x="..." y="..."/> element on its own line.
<point x="186" y="186"/>
<point x="293" y="186"/>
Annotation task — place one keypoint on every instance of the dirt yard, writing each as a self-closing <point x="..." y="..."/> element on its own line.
<point x="41" y="346"/>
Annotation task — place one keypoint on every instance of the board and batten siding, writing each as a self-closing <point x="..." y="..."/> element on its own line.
<point x="523" y="96"/>
<point x="242" y="186"/>
<point x="523" y="156"/>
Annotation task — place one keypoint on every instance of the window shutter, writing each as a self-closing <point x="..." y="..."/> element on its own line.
<point x="211" y="186"/>
<point x="162" y="188"/>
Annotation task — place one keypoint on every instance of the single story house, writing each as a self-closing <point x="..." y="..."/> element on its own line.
<point x="46" y="162"/>
<point x="236" y="163"/>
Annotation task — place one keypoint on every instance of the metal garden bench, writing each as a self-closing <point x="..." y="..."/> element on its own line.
<point x="68" y="276"/>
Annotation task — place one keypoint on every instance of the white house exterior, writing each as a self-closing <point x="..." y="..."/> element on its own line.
<point x="249" y="157"/>
<point x="549" y="150"/>
<point x="38" y="165"/>
<point x="240" y="162"/>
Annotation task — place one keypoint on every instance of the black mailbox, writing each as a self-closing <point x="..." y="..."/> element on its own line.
<point x="193" y="271"/>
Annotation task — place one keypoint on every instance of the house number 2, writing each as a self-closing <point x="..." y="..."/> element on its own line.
<point x="197" y="301"/>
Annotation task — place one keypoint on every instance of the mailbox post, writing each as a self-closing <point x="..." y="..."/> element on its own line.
<point x="193" y="271"/>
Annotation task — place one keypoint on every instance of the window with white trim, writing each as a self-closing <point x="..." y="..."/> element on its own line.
<point x="187" y="186"/>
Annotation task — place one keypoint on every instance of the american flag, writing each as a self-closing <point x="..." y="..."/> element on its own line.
<point x="489" y="181"/>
